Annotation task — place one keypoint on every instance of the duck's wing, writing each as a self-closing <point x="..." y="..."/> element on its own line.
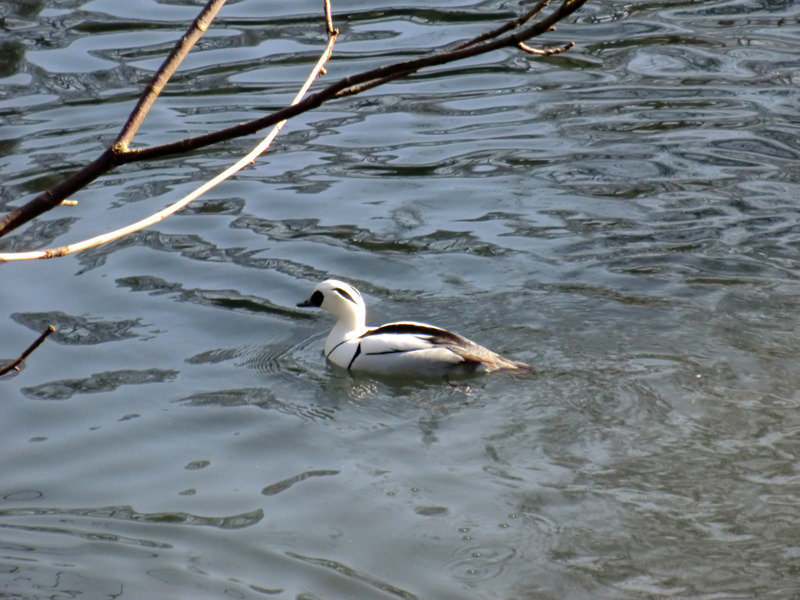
<point x="403" y="349"/>
<point x="422" y="340"/>
<point x="406" y="336"/>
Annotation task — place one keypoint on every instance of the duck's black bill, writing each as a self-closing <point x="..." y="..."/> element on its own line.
<point x="314" y="301"/>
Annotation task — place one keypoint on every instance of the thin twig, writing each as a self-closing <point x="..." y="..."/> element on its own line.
<point x="14" y="366"/>
<point x="175" y="207"/>
<point x="329" y="21"/>
<point x="165" y="71"/>
<point x="489" y="35"/>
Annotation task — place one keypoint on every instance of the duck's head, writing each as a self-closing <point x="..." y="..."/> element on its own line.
<point x="341" y="300"/>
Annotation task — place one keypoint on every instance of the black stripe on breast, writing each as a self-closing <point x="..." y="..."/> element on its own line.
<point x="355" y="356"/>
<point x="334" y="348"/>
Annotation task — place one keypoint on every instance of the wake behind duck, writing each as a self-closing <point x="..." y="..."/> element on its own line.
<point x="405" y="348"/>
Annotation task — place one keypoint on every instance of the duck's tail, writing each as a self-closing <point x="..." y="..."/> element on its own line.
<point x="509" y="366"/>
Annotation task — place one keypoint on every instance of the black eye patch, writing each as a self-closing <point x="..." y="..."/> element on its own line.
<point x="316" y="299"/>
<point x="344" y="295"/>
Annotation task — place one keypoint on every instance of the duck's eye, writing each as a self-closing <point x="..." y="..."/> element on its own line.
<point x="344" y="295"/>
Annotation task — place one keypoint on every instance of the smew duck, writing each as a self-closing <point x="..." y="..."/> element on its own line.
<point x="405" y="348"/>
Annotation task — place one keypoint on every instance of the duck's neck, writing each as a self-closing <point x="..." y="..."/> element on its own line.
<point x="344" y="329"/>
<point x="352" y="322"/>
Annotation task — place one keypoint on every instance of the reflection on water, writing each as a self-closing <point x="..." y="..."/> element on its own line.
<point x="126" y="513"/>
<point x="98" y="382"/>
<point x="622" y="216"/>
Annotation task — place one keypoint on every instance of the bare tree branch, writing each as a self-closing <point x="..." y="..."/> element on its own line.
<point x="109" y="159"/>
<point x="14" y="366"/>
<point x="175" y="207"/>
<point x="118" y="155"/>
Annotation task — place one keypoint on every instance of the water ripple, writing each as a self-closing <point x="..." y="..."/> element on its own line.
<point x="127" y="513"/>
<point x="107" y="381"/>
<point x="261" y="397"/>
<point x="75" y="330"/>
<point x="354" y="574"/>
<point x="623" y="215"/>
<point x="477" y="563"/>
<point x="285" y="484"/>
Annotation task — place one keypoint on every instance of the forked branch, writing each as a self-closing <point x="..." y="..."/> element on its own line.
<point x="165" y="71"/>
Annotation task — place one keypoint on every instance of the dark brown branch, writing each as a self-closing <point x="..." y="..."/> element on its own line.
<point x="357" y="89"/>
<point x="14" y="366"/>
<point x="57" y="194"/>
<point x="118" y="154"/>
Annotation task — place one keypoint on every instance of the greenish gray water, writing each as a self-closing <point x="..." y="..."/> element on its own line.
<point x="622" y="216"/>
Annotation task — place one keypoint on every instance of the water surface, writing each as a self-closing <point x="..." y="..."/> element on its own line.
<point x="623" y="216"/>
